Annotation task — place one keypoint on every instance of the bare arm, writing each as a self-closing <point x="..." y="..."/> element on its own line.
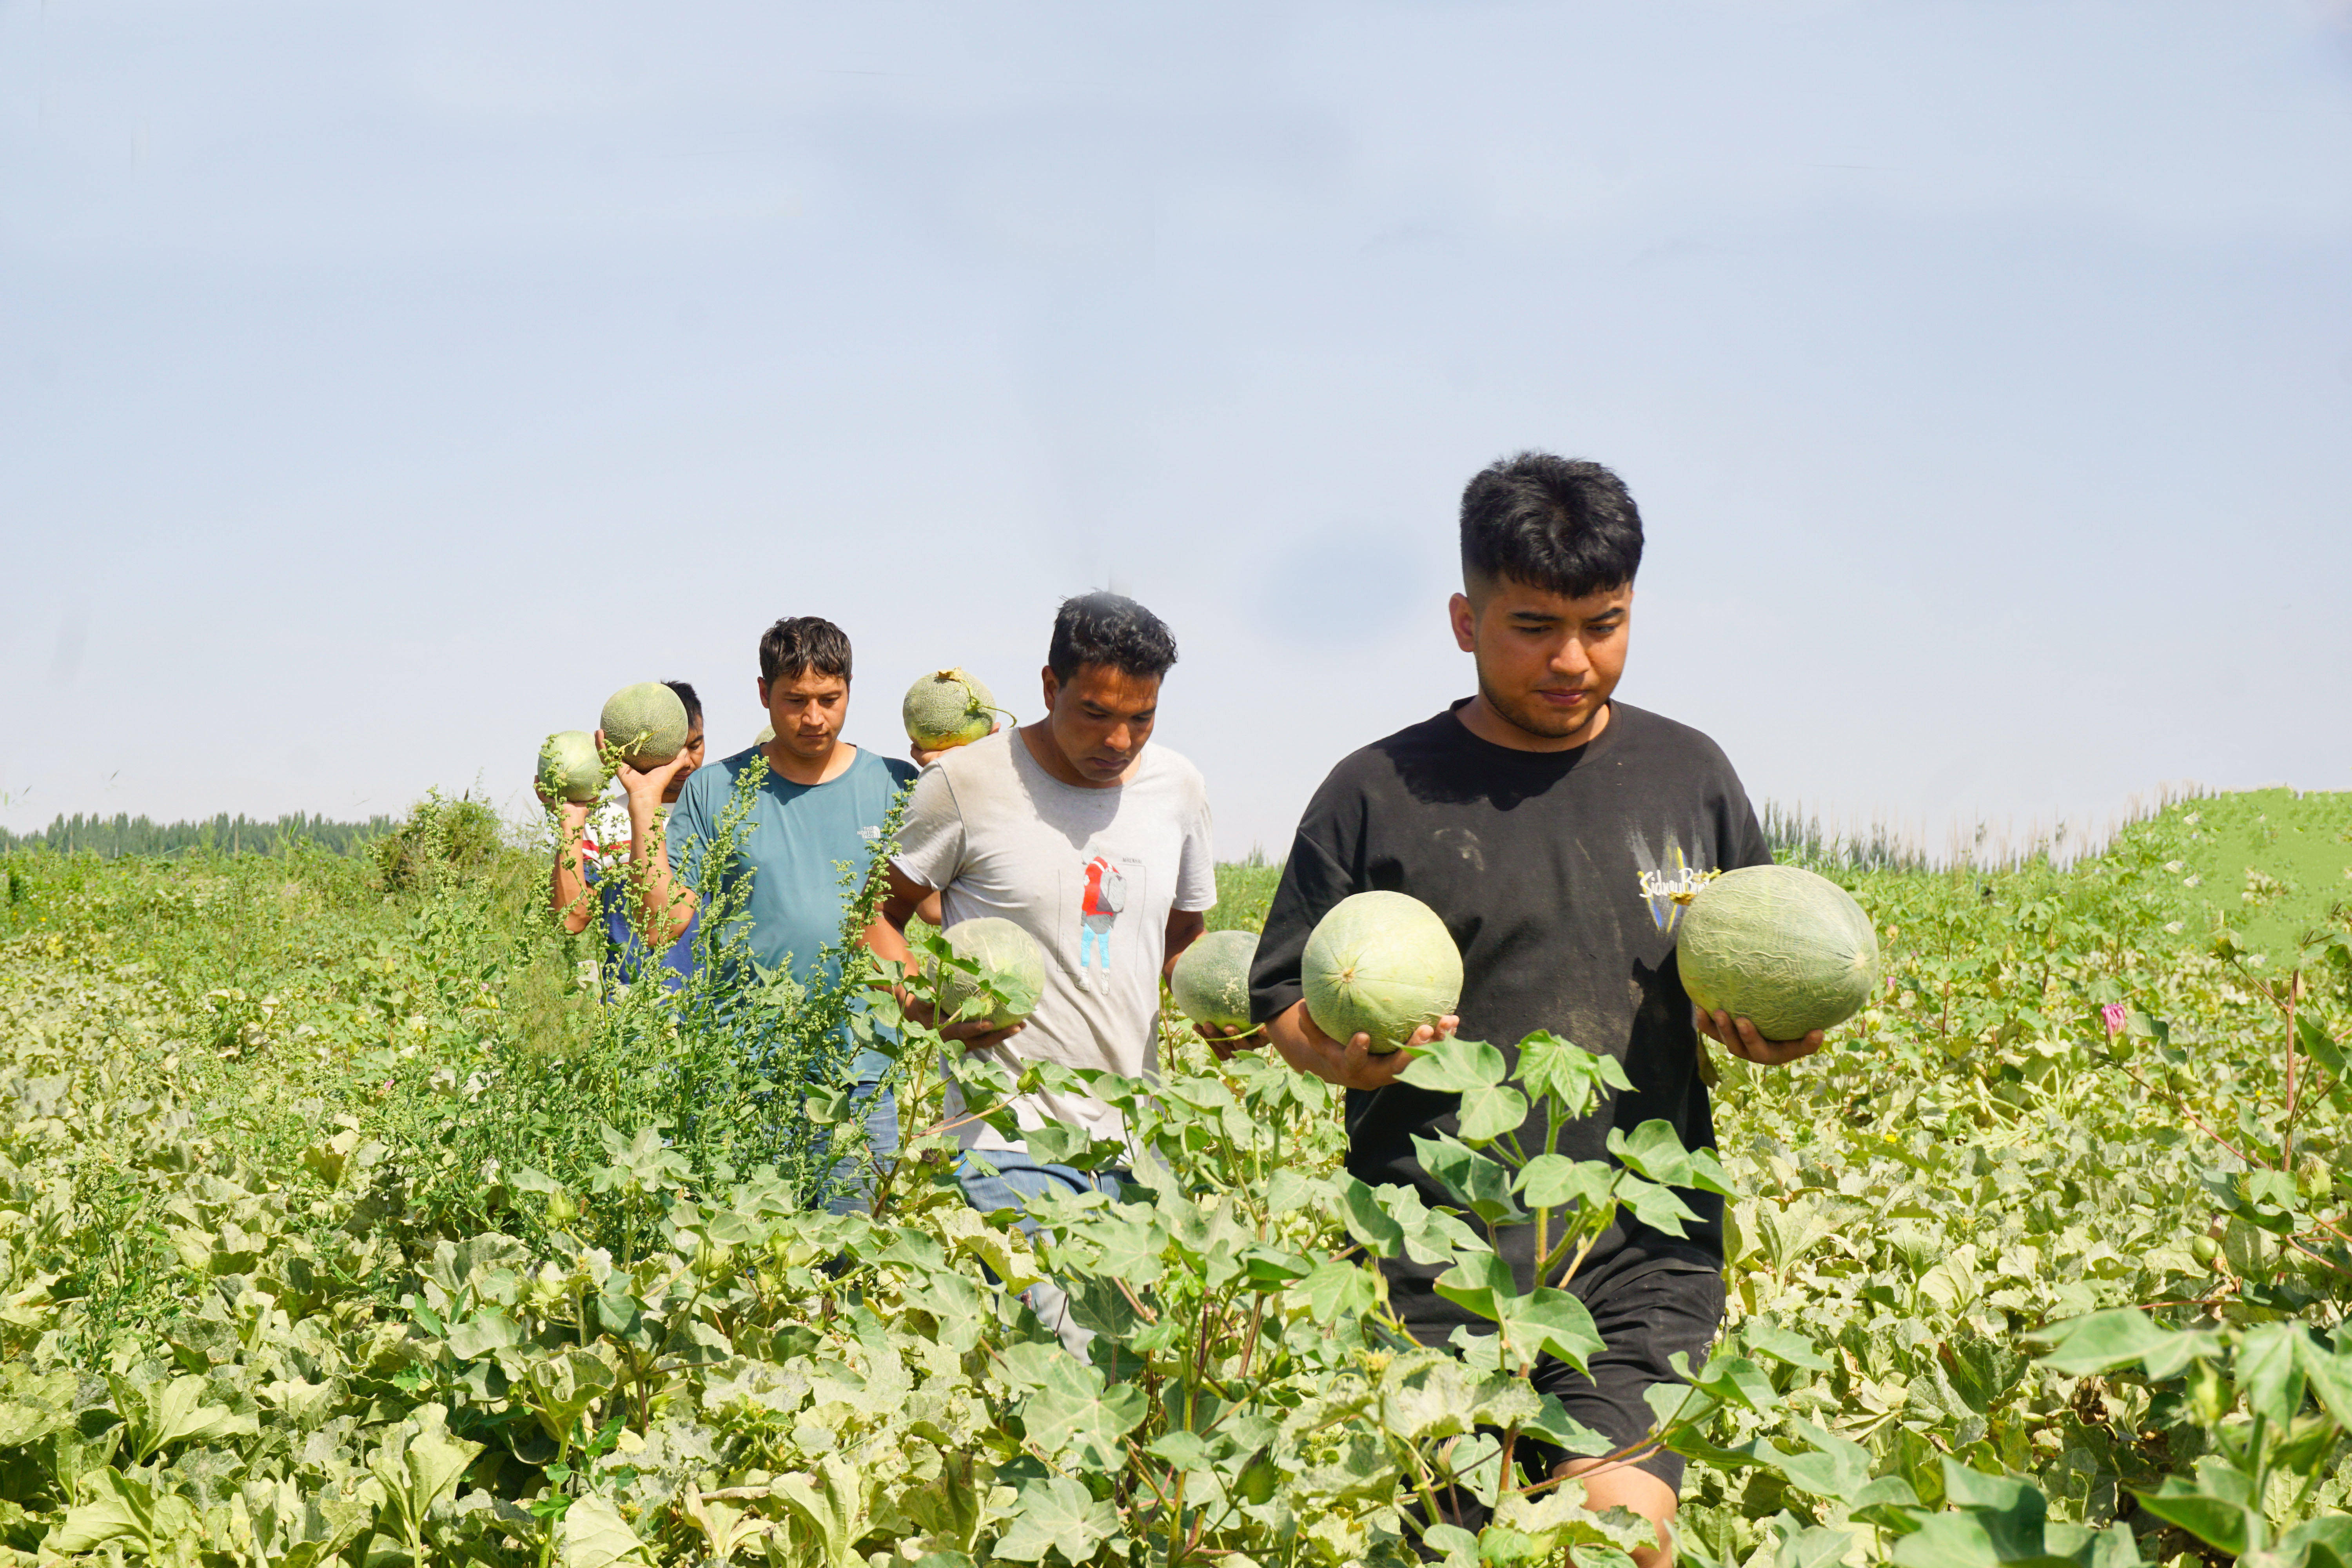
<point x="1185" y="929"/>
<point x="1351" y="1066"/>
<point x="669" y="908"/>
<point x="567" y="891"/>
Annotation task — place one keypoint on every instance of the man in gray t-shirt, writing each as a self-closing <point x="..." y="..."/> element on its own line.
<point x="1098" y="847"/>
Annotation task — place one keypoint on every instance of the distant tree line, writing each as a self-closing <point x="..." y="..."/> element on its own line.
<point x="110" y="836"/>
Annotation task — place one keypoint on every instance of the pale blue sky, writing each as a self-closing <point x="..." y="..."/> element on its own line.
<point x="382" y="384"/>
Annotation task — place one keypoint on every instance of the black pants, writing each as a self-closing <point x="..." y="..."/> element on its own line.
<point x="1645" y="1309"/>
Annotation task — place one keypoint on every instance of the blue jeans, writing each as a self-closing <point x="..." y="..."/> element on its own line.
<point x="1018" y="1178"/>
<point x="850" y="1192"/>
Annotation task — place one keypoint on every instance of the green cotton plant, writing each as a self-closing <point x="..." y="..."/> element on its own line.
<point x="1246" y="1365"/>
<point x="277" y="1226"/>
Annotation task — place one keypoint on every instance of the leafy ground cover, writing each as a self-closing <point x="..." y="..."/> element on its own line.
<point x="344" y="1215"/>
<point x="2272" y="862"/>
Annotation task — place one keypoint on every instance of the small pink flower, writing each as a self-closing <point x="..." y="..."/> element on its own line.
<point x="2113" y="1014"/>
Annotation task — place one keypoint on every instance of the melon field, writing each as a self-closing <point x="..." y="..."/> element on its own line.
<point x="348" y="1213"/>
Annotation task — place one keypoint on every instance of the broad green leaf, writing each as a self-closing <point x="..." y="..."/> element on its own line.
<point x="1782" y="1345"/>
<point x="1552" y="1322"/>
<point x="420" y="1464"/>
<point x="2268" y="1372"/>
<point x="1336" y="1288"/>
<point x="1078" y="1418"/>
<point x="2329" y="1373"/>
<point x="597" y="1536"/>
<point x="121" y="1508"/>
<point x="1483" y="1186"/>
<point x="829" y="1501"/>
<point x="172" y="1411"/>
<point x="1654" y="1206"/>
<point x="1552" y="1180"/>
<point x="1567" y="1072"/>
<point x="1482" y="1282"/>
<point x="1057" y="1514"/>
<point x="1427" y="1396"/>
<point x="1488" y="1113"/>
<point x="2214" y="1507"/>
<point x="1654" y="1152"/>
<point x="1456" y="1066"/>
<point x="2118" y="1337"/>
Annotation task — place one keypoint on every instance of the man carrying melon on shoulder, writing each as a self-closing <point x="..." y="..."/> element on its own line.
<point x="1096" y="844"/>
<point x="821" y="801"/>
<point x="1557" y="834"/>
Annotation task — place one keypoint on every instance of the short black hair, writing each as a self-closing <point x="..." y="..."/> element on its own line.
<point x="1562" y="524"/>
<point x="684" y="690"/>
<point x="1109" y="628"/>
<point x="799" y="644"/>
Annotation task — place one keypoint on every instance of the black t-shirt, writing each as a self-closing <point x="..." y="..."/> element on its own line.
<point x="1555" y="873"/>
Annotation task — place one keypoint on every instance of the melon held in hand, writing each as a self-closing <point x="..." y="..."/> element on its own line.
<point x="1381" y="964"/>
<point x="947" y="708"/>
<point x="1210" y="982"/>
<point x="1777" y="946"/>
<point x="1011" y="958"/>
<point x="568" y="767"/>
<point x="646" y="721"/>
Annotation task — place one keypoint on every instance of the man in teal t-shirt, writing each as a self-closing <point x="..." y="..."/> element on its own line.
<point x="823" y="803"/>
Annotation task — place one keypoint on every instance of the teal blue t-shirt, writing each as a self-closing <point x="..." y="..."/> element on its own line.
<point x="794" y="844"/>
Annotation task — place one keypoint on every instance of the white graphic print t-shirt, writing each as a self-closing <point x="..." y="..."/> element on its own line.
<point x="1092" y="874"/>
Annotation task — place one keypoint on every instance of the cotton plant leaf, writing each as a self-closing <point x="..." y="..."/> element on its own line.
<point x="595" y="1535"/>
<point x="1056" y="1513"/>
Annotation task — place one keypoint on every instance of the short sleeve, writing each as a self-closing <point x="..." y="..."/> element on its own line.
<point x="931" y="838"/>
<point x="1316" y="875"/>
<point x="688" y="829"/>
<point x="1196" y="863"/>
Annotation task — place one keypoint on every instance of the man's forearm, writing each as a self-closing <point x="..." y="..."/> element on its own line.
<point x="669" y="908"/>
<point x="1288" y="1030"/>
<point x="567" y="884"/>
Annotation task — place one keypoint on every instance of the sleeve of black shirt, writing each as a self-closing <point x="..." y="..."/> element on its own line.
<point x="1744" y="841"/>
<point x="1318" y="874"/>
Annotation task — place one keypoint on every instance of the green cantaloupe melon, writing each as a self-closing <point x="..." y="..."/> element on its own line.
<point x="1011" y="959"/>
<point x="568" y="767"/>
<point x="767" y="733"/>
<point x="1786" y="950"/>
<point x="947" y="708"/>
<point x="646" y="721"/>
<point x="1381" y="964"/>
<point x="1211" y="984"/>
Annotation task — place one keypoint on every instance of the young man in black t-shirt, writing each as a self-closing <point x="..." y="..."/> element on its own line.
<point x="1551" y="829"/>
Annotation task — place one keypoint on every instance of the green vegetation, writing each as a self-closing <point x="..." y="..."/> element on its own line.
<point x="2271" y="862"/>
<point x="345" y="1217"/>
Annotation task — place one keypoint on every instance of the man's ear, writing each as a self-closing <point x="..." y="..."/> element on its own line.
<point x="1464" y="615"/>
<point x="764" y="695"/>
<point x="1053" y="687"/>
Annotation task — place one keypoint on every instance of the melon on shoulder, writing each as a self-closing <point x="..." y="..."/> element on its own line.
<point x="1788" y="950"/>
<point x="1008" y="955"/>
<point x="1383" y="964"/>
<point x="646" y="721"/>
<point x="947" y="708"/>
<point x="568" y="767"/>
<point x="1212" y="980"/>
